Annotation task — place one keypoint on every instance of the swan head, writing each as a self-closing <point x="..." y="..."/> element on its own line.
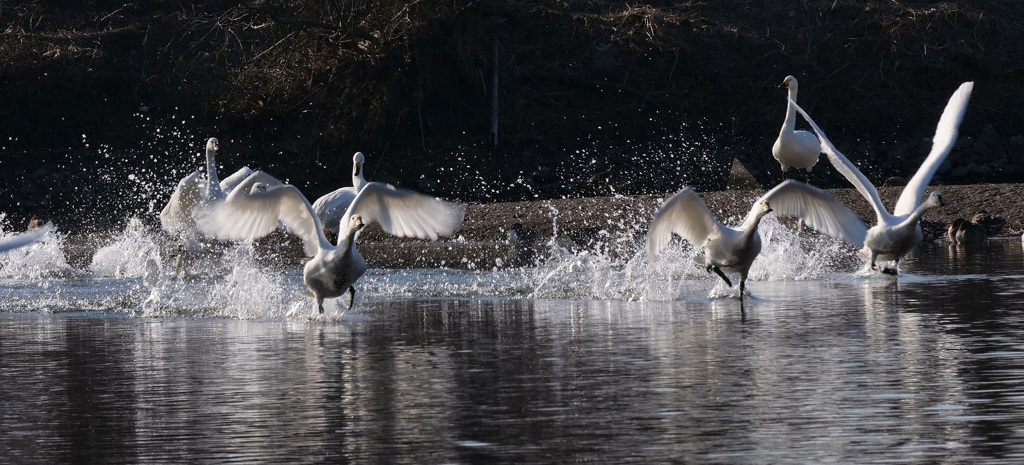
<point x="357" y="222"/>
<point x="766" y="208"/>
<point x="935" y="199"/>
<point x="212" y="144"/>
<point x="258" y="187"/>
<point x="789" y="82"/>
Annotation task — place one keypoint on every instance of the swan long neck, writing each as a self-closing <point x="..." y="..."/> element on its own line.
<point x="790" y="123"/>
<point x="915" y="216"/>
<point x="347" y="238"/>
<point x="358" y="181"/>
<point x="749" y="226"/>
<point x="213" y="182"/>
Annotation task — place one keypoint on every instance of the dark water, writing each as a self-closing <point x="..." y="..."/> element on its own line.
<point x="846" y="369"/>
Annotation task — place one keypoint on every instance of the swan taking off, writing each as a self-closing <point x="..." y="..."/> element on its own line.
<point x="729" y="250"/>
<point x="335" y="268"/>
<point x="194" y="196"/>
<point x="894" y="234"/>
<point x="795" y="149"/>
<point x="332" y="206"/>
<point x="726" y="250"/>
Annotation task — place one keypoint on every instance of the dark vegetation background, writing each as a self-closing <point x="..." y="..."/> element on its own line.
<point x="104" y="105"/>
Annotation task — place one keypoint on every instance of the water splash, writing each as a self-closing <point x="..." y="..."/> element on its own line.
<point x="236" y="286"/>
<point x="43" y="259"/>
<point x="128" y="254"/>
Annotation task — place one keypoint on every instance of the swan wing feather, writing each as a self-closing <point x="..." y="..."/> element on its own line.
<point x="178" y="211"/>
<point x="245" y="215"/>
<point x="229" y="183"/>
<point x="25" y="238"/>
<point x="405" y="213"/>
<point x="847" y="168"/>
<point x="819" y="210"/>
<point x="685" y="214"/>
<point x="945" y="135"/>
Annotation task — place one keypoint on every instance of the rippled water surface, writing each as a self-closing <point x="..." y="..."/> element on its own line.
<point x="580" y="359"/>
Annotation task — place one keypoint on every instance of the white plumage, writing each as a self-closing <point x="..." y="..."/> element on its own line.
<point x="795" y="149"/>
<point x="24" y="239"/>
<point x="331" y="207"/>
<point x="896" y="234"/>
<point x="333" y="269"/>
<point x="194" y="197"/>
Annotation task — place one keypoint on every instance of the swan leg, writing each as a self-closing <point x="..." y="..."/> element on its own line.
<point x="720" y="274"/>
<point x="892" y="271"/>
<point x="319" y="303"/>
<point x="351" y="296"/>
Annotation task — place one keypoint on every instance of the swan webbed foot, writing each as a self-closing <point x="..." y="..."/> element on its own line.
<point x="720" y="274"/>
<point x="889" y="271"/>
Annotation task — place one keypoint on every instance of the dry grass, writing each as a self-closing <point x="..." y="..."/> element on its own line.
<point x="410" y="81"/>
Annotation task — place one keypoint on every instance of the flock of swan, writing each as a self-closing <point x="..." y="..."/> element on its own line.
<point x="251" y="204"/>
<point x="733" y="250"/>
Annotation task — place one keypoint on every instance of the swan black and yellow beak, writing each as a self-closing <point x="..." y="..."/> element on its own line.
<point x="785" y="83"/>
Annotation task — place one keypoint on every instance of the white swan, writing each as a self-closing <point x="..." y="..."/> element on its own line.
<point x="893" y="234"/>
<point x="726" y="250"/>
<point x="795" y="149"/>
<point x="194" y="196"/>
<point x="334" y="269"/>
<point x="331" y="207"/>
<point x="26" y="238"/>
<point x="733" y="250"/>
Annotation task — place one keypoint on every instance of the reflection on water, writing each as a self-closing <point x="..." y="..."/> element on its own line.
<point x="925" y="368"/>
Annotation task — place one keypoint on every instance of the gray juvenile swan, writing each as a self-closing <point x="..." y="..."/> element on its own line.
<point x="894" y="234"/>
<point x="333" y="269"/>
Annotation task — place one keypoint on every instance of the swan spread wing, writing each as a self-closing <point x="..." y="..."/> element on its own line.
<point x="819" y="210"/>
<point x="405" y="213"/>
<point x="244" y="187"/>
<point x="177" y="213"/>
<point x="684" y="214"/>
<point x="25" y="238"/>
<point x="942" y="143"/>
<point x="848" y="169"/>
<point x="229" y="183"/>
<point x="247" y="215"/>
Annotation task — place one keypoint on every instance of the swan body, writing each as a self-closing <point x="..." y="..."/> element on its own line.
<point x="331" y="207"/>
<point x="726" y="250"/>
<point x="895" y="234"/>
<point x="795" y="149"/>
<point x="333" y="269"/>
